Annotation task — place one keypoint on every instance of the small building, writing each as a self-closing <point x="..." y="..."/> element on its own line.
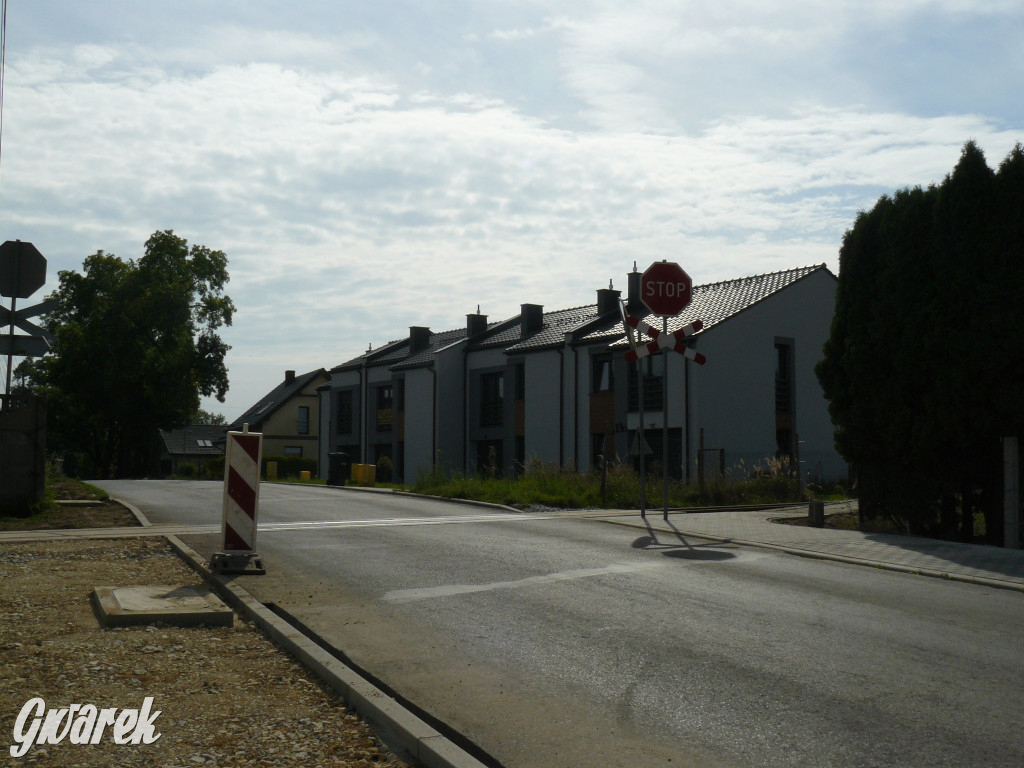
<point x="188" y="449"/>
<point x="554" y="386"/>
<point x="288" y="416"/>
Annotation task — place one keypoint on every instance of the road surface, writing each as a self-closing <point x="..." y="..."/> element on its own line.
<point x="558" y="640"/>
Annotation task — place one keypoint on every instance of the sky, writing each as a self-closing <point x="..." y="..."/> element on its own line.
<point x="370" y="166"/>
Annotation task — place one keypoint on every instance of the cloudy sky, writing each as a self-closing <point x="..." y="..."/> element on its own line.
<point x="372" y="165"/>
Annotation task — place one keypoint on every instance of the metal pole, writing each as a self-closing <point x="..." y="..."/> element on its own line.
<point x="664" y="423"/>
<point x="10" y="355"/>
<point x="641" y="442"/>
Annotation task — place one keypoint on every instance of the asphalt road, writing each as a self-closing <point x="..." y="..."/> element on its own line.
<point x="554" y="640"/>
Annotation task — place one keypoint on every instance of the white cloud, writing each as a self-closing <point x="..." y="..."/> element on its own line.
<point x="523" y="158"/>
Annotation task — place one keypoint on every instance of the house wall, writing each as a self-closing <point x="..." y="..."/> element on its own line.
<point x="543" y="400"/>
<point x="419" y="422"/>
<point x="280" y="429"/>
<point x="324" y="431"/>
<point x="451" y="393"/>
<point x="732" y="397"/>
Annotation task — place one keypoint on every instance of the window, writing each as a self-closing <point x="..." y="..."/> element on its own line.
<point x="601" y="374"/>
<point x="520" y="381"/>
<point x="654" y="380"/>
<point x="293" y="450"/>
<point x="489" y="461"/>
<point x="344" y="409"/>
<point x="783" y="377"/>
<point x="302" y="423"/>
<point x="385" y="400"/>
<point x="204" y="443"/>
<point x="492" y="399"/>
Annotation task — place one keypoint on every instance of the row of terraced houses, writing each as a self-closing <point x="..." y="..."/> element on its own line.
<point x="554" y="386"/>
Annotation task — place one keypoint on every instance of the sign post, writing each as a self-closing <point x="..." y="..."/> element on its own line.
<point x="666" y="289"/>
<point x="242" y="458"/>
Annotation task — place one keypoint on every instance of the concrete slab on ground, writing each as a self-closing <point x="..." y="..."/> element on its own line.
<point x="177" y="605"/>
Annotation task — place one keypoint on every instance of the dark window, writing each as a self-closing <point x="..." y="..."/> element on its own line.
<point x="293" y="450"/>
<point x="783" y="378"/>
<point x="653" y="367"/>
<point x="520" y="381"/>
<point x="385" y="400"/>
<point x="302" y="423"/>
<point x="489" y="461"/>
<point x="344" y="409"/>
<point x="492" y="399"/>
<point x="601" y="374"/>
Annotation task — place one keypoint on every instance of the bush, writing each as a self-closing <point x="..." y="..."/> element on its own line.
<point x="549" y="485"/>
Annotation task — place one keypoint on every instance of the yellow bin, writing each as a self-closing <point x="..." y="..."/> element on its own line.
<point x="364" y="474"/>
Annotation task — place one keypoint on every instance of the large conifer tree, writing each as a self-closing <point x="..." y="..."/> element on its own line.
<point x="924" y="368"/>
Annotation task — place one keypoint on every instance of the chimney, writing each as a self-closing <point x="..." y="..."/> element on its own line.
<point x="475" y="324"/>
<point x="531" y="318"/>
<point x="607" y="299"/>
<point x="289" y="377"/>
<point x="633" y="300"/>
<point x="419" y="338"/>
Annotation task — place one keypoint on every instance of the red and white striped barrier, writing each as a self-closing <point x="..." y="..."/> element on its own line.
<point x="662" y="341"/>
<point x="242" y="459"/>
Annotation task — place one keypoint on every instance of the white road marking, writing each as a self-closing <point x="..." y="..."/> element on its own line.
<point x="447" y="590"/>
<point x="399" y="521"/>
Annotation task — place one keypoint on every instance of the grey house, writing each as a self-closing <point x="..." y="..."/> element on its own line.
<point x="555" y="386"/>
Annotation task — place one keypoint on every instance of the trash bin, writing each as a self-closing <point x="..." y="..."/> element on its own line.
<point x="338" y="468"/>
<point x="816" y="514"/>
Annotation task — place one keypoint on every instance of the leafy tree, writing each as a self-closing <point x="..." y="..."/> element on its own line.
<point x="136" y="346"/>
<point x="921" y="369"/>
<point x="206" y="417"/>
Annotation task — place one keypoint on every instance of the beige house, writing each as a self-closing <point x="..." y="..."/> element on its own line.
<point x="288" y="416"/>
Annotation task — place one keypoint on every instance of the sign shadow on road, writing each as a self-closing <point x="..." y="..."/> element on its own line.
<point x="683" y="550"/>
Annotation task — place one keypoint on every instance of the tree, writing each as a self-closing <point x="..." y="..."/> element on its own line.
<point x="206" y="417"/>
<point x="921" y="370"/>
<point x="136" y="346"/>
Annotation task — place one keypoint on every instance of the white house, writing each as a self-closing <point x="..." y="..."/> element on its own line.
<point x="555" y="386"/>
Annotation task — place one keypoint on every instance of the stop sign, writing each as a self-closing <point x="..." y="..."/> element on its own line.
<point x="665" y="288"/>
<point x="22" y="269"/>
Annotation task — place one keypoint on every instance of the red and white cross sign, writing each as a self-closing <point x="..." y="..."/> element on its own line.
<point x="662" y="341"/>
<point x="241" y="490"/>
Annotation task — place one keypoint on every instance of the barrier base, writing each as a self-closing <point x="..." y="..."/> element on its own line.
<point x="246" y="563"/>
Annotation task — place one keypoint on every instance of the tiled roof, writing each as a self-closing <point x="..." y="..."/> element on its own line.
<point x="194" y="440"/>
<point x="426" y="356"/>
<point x="713" y="303"/>
<point x="552" y="334"/>
<point x="371" y="356"/>
<point x="275" y="399"/>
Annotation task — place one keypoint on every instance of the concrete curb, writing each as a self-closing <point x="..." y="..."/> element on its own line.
<point x="143" y="520"/>
<point x="410" y="732"/>
<point x="847" y="559"/>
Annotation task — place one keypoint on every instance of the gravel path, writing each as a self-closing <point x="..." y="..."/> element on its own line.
<point x="226" y="697"/>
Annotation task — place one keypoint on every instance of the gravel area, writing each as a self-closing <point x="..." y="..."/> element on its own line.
<point x="226" y="697"/>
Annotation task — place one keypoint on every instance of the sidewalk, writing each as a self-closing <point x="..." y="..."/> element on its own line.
<point x="970" y="563"/>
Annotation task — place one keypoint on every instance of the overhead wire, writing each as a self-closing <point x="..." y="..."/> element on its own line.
<point x="5" y="362"/>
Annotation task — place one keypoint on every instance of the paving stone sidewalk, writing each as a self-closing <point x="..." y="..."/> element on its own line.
<point x="973" y="563"/>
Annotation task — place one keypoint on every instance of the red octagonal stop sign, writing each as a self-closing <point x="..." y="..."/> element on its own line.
<point x="665" y="288"/>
